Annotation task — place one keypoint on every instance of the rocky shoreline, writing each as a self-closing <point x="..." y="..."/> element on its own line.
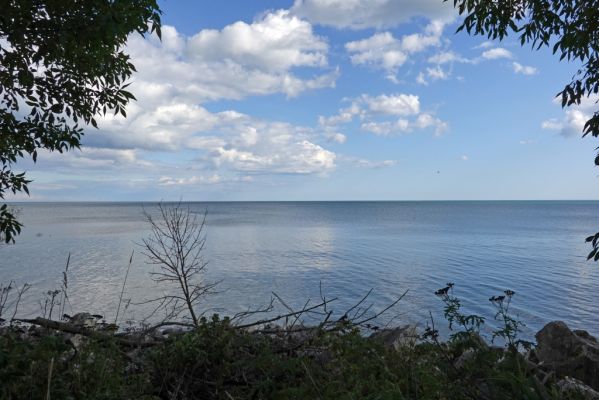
<point x="563" y="360"/>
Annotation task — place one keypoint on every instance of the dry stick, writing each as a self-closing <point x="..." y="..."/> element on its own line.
<point x="229" y="396"/>
<point x="65" y="285"/>
<point x="383" y="311"/>
<point x="240" y="316"/>
<point x="266" y="321"/>
<point x="4" y="293"/>
<point x="49" y="378"/>
<point x="25" y="288"/>
<point x="123" y="288"/>
<point x="312" y="380"/>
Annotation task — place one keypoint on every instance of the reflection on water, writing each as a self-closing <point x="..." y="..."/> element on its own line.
<point x="534" y="248"/>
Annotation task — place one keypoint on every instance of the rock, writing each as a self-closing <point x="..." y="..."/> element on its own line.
<point x="83" y="320"/>
<point x="78" y="341"/>
<point x="396" y="338"/>
<point x="572" y="388"/>
<point x="464" y="358"/>
<point x="569" y="353"/>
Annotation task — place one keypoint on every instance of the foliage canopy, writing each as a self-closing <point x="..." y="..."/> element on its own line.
<point x="62" y="64"/>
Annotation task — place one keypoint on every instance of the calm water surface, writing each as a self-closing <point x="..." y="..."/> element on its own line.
<point x="534" y="248"/>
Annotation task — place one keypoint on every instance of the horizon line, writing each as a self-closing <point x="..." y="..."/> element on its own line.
<point x="290" y="201"/>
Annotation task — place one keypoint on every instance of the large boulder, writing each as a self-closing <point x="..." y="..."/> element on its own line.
<point x="569" y="353"/>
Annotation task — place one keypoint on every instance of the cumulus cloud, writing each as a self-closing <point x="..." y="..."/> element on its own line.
<point x="575" y="117"/>
<point x="248" y="145"/>
<point x="397" y="104"/>
<point x="361" y="14"/>
<point x="495" y="53"/>
<point x="277" y="42"/>
<point x="446" y="57"/>
<point x="385" y="52"/>
<point x="437" y="73"/>
<point x="237" y="61"/>
<point x="180" y="74"/>
<point x="385" y="115"/>
<point x="336" y="137"/>
<point x="524" y="69"/>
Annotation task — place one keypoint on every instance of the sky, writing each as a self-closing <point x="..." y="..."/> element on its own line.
<point x="329" y="100"/>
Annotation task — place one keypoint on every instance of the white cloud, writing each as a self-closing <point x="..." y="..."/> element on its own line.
<point x="552" y="124"/>
<point x="464" y="158"/>
<point x="446" y="57"/>
<point x="575" y="117"/>
<point x="526" y="141"/>
<point x="237" y="61"/>
<point x="495" y="53"/>
<point x="421" y="79"/>
<point x="374" y="113"/>
<point x="402" y="125"/>
<point x="194" y="180"/>
<point x="396" y="104"/>
<point x="433" y="74"/>
<point x="485" y="45"/>
<point x="362" y="163"/>
<point x="360" y="14"/>
<point x="297" y="157"/>
<point x="426" y="120"/>
<point x="179" y="74"/>
<point x="336" y="137"/>
<point x="277" y="42"/>
<point x="437" y="73"/>
<point x="524" y="69"/>
<point x="385" y="52"/>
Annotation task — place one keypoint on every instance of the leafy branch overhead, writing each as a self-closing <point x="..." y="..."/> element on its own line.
<point x="62" y="65"/>
<point x="569" y="27"/>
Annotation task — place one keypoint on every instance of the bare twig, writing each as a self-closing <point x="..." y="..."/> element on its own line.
<point x="64" y="297"/>
<point x="20" y="294"/>
<point x="116" y="318"/>
<point x="280" y="317"/>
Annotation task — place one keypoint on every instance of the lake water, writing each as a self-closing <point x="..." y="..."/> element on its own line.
<point x="536" y="249"/>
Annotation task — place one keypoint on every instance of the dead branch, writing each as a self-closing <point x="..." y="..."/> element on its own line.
<point x="176" y="246"/>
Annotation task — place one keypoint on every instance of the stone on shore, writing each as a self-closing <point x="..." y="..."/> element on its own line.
<point x="569" y="353"/>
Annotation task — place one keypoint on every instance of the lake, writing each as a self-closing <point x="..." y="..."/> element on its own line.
<point x="535" y="248"/>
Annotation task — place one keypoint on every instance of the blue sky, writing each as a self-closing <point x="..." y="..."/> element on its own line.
<point x="329" y="100"/>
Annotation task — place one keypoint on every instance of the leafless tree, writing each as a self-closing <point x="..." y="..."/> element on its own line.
<point x="176" y="245"/>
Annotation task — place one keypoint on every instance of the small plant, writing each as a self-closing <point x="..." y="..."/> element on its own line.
<point x="510" y="326"/>
<point x="467" y="324"/>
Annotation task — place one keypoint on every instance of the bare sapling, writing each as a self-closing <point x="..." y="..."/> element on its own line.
<point x="176" y="246"/>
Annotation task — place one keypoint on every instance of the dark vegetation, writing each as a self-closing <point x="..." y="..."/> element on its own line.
<point x="219" y="359"/>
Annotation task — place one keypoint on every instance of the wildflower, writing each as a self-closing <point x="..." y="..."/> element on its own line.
<point x="443" y="292"/>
